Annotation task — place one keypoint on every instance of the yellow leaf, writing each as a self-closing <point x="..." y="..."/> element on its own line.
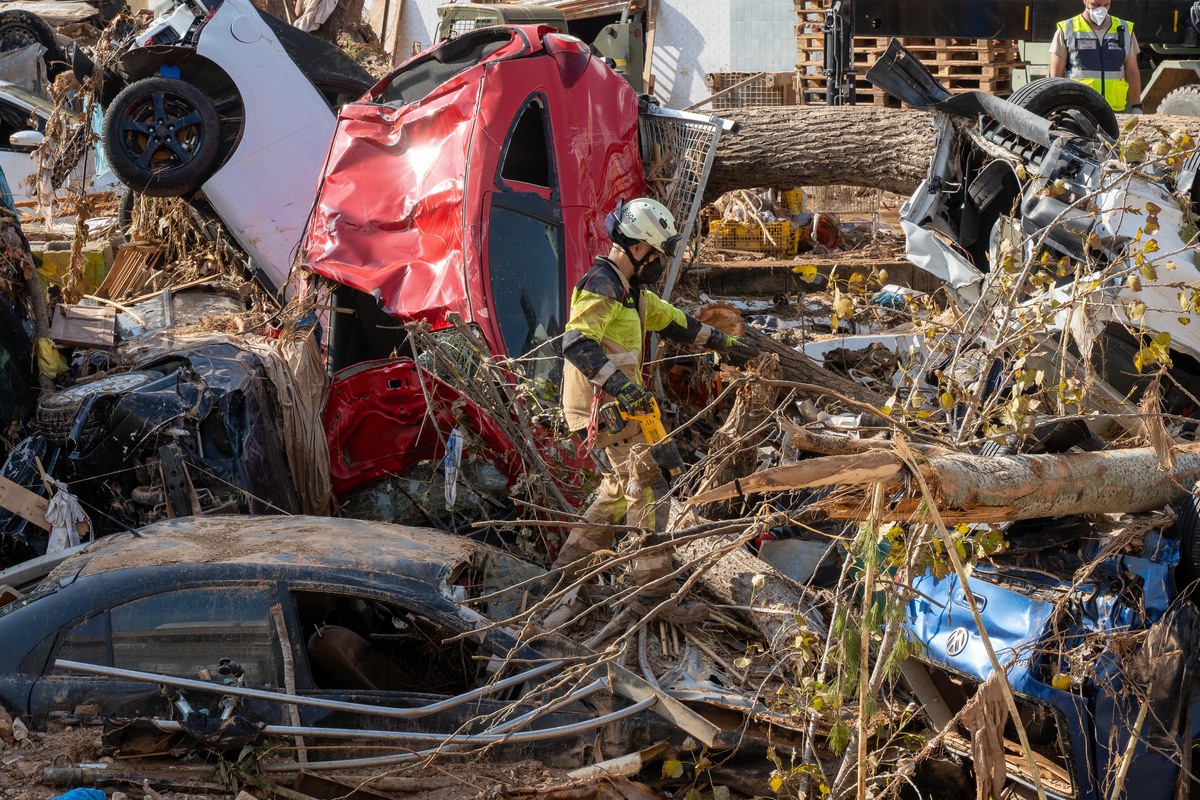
<point x="1151" y="246"/>
<point x="806" y="271"/>
<point x="776" y="783"/>
<point x="843" y="306"/>
<point x="741" y="663"/>
<point x="947" y="400"/>
<point x="672" y="768"/>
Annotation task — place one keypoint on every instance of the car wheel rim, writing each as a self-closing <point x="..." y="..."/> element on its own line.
<point x="162" y="130"/>
<point x="17" y="37"/>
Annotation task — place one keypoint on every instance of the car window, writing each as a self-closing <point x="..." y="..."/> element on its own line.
<point x="525" y="269"/>
<point x="366" y="644"/>
<point x="183" y="632"/>
<point x="527" y="156"/>
<point x="87" y="642"/>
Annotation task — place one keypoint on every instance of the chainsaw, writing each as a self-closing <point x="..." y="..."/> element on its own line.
<point x="614" y="419"/>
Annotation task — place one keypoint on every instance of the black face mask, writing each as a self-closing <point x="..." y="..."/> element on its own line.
<point x="648" y="269"/>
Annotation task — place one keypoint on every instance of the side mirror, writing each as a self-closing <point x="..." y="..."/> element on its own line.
<point x="26" y="141"/>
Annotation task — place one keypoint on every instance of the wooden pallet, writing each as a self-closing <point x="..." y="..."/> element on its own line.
<point x="959" y="64"/>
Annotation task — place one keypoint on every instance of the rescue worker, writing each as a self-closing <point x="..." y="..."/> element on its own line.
<point x="1099" y="50"/>
<point x="611" y="311"/>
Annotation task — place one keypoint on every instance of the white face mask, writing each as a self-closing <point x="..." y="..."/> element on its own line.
<point x="1098" y="14"/>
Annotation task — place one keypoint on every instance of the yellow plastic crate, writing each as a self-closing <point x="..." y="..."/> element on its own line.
<point x="731" y="235"/>
<point x="793" y="201"/>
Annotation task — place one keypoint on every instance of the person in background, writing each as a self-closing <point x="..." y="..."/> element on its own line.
<point x="1099" y="50"/>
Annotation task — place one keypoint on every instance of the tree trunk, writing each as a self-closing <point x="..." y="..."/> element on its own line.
<point x="971" y="488"/>
<point x="887" y="148"/>
<point x="789" y="146"/>
<point x="731" y="580"/>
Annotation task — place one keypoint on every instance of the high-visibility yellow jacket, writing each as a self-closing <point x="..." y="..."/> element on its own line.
<point x="606" y="332"/>
<point x="1099" y="60"/>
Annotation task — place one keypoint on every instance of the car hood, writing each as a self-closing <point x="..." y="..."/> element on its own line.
<point x="403" y="205"/>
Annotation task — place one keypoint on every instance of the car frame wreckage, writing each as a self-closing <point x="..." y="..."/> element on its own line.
<point x="1039" y="182"/>
<point x="371" y="627"/>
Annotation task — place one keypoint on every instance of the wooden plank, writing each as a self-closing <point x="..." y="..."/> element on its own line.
<point x="84" y="326"/>
<point x="24" y="503"/>
<point x="649" y="30"/>
<point x="130" y="271"/>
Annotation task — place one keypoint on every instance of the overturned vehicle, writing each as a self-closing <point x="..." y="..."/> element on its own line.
<point x="508" y="144"/>
<point x="1048" y="229"/>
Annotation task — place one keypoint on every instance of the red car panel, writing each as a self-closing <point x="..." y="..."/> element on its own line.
<point x="404" y="204"/>
<point x="377" y="423"/>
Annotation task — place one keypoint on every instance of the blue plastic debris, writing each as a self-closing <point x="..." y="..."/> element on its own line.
<point x="82" y="794"/>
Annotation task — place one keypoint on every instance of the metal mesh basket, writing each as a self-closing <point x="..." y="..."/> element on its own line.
<point x="678" y="150"/>
<point x="844" y="201"/>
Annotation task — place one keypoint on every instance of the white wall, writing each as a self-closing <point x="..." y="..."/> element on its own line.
<point x="693" y="37"/>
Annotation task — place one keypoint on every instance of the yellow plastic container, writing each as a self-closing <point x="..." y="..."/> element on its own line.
<point x="793" y="200"/>
<point x="733" y="235"/>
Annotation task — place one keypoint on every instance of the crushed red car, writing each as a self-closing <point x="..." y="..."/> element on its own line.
<point x="473" y="181"/>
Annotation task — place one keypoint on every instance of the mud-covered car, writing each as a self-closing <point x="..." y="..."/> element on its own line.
<point x="196" y="431"/>
<point x="354" y="620"/>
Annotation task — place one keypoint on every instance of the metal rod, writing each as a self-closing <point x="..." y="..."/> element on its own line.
<point x="490" y="736"/>
<point x="525" y="736"/>
<point x="314" y="702"/>
<point x="579" y="694"/>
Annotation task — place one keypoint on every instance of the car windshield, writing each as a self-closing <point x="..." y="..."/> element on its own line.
<point x="30" y="99"/>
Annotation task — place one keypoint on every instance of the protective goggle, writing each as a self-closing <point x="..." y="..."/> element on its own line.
<point x="671" y="246"/>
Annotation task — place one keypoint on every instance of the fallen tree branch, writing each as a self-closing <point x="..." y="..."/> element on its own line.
<point x="990" y="488"/>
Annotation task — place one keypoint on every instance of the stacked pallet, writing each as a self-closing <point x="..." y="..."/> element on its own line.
<point x="959" y="64"/>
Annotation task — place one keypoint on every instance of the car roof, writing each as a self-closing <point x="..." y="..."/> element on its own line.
<point x="293" y="541"/>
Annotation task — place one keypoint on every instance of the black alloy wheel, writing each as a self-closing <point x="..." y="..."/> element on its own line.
<point x="162" y="137"/>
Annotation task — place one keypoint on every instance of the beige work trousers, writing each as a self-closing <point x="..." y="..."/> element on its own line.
<point x="631" y="489"/>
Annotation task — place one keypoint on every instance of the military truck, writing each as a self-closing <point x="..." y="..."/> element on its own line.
<point x="620" y="42"/>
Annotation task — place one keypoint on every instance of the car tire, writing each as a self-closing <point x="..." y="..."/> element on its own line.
<point x="22" y="28"/>
<point x="1051" y="97"/>
<point x="1187" y="529"/>
<point x="56" y="412"/>
<point x="139" y="132"/>
<point x="1182" y="102"/>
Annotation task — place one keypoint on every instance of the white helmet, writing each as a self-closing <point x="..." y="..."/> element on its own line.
<point x="644" y="220"/>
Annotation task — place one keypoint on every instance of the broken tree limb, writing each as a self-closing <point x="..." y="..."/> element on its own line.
<point x="775" y="604"/>
<point x="796" y="367"/>
<point x="733" y="448"/>
<point x="992" y="488"/>
<point x="811" y="473"/>
<point x="790" y="146"/>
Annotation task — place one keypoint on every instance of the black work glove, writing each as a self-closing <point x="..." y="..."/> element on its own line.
<point x="632" y="399"/>
<point x="737" y="352"/>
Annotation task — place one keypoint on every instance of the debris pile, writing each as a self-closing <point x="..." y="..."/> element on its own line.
<point x="940" y="540"/>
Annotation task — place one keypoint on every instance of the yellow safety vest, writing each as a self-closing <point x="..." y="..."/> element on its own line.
<point x="1099" y="60"/>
